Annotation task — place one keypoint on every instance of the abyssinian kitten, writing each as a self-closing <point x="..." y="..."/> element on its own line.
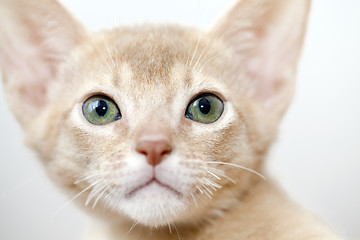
<point x="160" y="131"/>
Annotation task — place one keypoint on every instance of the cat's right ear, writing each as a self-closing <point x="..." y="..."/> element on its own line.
<point x="36" y="37"/>
<point x="266" y="37"/>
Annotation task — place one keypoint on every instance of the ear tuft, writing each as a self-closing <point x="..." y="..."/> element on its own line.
<point x="35" y="38"/>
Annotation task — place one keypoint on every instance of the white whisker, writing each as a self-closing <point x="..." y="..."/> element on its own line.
<point x="108" y="50"/>
<point x="76" y="196"/>
<point x="209" y="60"/>
<point x="177" y="232"/>
<point x="238" y="166"/>
<point x="201" y="191"/>
<point x="204" y="182"/>
<point x="169" y="228"/>
<point x="209" y="196"/>
<point x="193" y="197"/>
<point x="86" y="178"/>
<point x="221" y="173"/>
<point x="213" y="184"/>
<point x="211" y="193"/>
<point x="212" y="187"/>
<point x="99" y="197"/>
<point x="116" y="59"/>
<point x="228" y="178"/>
<point x="104" y="58"/>
<point x="93" y="193"/>
<point x="204" y="191"/>
<point x="196" y="47"/>
<point x="213" y="174"/>
<point x="109" y="194"/>
<point x="187" y="61"/>
<point x="132" y="227"/>
<point x="197" y="23"/>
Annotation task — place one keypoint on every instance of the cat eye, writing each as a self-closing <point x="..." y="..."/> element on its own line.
<point x="100" y="110"/>
<point x="205" y="108"/>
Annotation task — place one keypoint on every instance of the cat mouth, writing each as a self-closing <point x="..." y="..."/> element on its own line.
<point x="155" y="182"/>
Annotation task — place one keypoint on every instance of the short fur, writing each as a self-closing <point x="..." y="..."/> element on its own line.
<point x="51" y="65"/>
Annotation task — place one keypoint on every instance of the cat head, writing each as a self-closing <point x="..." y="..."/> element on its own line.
<point x="157" y="124"/>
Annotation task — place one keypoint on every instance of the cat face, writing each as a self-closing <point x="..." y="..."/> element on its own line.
<point x="153" y="124"/>
<point x="158" y="155"/>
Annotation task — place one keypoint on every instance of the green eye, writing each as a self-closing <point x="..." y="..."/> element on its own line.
<point x="100" y="110"/>
<point x="206" y="108"/>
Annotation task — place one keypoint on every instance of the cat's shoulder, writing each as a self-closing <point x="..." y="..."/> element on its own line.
<point x="266" y="212"/>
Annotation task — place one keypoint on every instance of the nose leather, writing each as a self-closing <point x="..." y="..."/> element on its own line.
<point x="154" y="150"/>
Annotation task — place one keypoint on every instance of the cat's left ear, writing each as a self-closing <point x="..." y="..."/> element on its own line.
<point x="36" y="37"/>
<point x="266" y="37"/>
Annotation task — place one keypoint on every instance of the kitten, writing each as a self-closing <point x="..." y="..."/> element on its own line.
<point x="160" y="130"/>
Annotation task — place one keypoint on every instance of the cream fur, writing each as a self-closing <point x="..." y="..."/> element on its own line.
<point x="212" y="184"/>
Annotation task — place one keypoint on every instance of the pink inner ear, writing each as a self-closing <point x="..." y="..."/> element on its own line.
<point x="29" y="74"/>
<point x="35" y="38"/>
<point x="278" y="54"/>
<point x="275" y="31"/>
<point x="274" y="62"/>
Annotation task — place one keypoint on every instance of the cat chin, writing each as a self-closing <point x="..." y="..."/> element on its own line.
<point x="153" y="205"/>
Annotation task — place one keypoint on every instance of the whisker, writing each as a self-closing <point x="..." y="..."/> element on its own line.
<point x="203" y="185"/>
<point x="76" y="196"/>
<point x="238" y="166"/>
<point x="213" y="184"/>
<point x="219" y="172"/>
<point x="207" y="45"/>
<point x="205" y="191"/>
<point x="209" y="60"/>
<point x="86" y="178"/>
<point x="205" y="182"/>
<point x="192" y="196"/>
<point x="109" y="194"/>
<point x="116" y="59"/>
<point x="132" y="227"/>
<point x="189" y="52"/>
<point x="197" y="21"/>
<point x="213" y="174"/>
<point x="196" y="48"/>
<point x="201" y="191"/>
<point x="169" y="228"/>
<point x="104" y="58"/>
<point x="201" y="54"/>
<point x="177" y="232"/>
<point x="212" y="187"/>
<point x="207" y="195"/>
<point x="187" y="61"/>
<point x="227" y="177"/>
<point x="196" y="194"/>
<point x="200" y="36"/>
<point x="108" y="50"/>
<point x="93" y="193"/>
<point x="99" y="197"/>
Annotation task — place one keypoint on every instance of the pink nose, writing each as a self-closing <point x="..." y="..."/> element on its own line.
<point x="154" y="150"/>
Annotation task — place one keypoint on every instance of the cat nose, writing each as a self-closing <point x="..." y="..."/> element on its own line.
<point x="154" y="150"/>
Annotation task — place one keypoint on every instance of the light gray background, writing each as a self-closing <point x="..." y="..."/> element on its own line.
<point x="317" y="156"/>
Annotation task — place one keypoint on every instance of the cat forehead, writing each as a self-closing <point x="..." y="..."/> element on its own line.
<point x="166" y="58"/>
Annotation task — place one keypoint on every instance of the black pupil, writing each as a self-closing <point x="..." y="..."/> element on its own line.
<point x="204" y="106"/>
<point x="101" y="108"/>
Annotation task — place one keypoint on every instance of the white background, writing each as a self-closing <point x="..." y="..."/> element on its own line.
<point x="316" y="158"/>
